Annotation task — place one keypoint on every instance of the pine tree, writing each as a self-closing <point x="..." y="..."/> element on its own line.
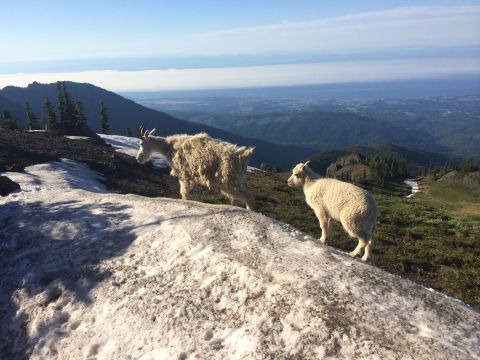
<point x="50" y="117"/>
<point x="69" y="104"/>
<point x="139" y="132"/>
<point x="32" y="119"/>
<point x="104" y="126"/>
<point x="60" y="102"/>
<point x="66" y="104"/>
<point x="7" y="122"/>
<point x="79" y="115"/>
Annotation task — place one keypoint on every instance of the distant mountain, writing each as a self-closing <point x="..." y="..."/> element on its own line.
<point x="454" y="121"/>
<point x="125" y="113"/>
<point x="322" y="130"/>
<point x="414" y="157"/>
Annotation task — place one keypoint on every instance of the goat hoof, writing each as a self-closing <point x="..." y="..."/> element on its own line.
<point x="352" y="254"/>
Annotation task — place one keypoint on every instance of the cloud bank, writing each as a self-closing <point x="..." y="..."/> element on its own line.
<point x="256" y="76"/>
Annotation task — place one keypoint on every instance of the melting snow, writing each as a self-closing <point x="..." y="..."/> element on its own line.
<point x="58" y="176"/>
<point x="76" y="137"/>
<point x="88" y="274"/>
<point x="414" y="185"/>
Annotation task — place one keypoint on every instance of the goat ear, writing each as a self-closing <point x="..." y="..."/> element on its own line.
<point x="306" y="164"/>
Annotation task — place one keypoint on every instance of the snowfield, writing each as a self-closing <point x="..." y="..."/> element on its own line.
<point x="92" y="275"/>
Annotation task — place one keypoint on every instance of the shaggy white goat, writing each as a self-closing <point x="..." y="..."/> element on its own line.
<point x="333" y="199"/>
<point x="199" y="159"/>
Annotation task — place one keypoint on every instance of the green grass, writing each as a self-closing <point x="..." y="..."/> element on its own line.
<point x="415" y="238"/>
<point x="456" y="197"/>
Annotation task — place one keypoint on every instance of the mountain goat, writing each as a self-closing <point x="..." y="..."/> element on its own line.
<point x="199" y="159"/>
<point x="333" y="199"/>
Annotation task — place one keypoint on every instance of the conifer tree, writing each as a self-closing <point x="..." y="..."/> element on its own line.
<point x="32" y="120"/>
<point x="50" y="117"/>
<point x="69" y="104"/>
<point x="79" y="115"/>
<point x="66" y="104"/>
<point x="139" y="132"/>
<point x="104" y="126"/>
<point x="60" y="102"/>
<point x="7" y="122"/>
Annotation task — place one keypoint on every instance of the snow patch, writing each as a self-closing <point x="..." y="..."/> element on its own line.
<point x="414" y="185"/>
<point x="254" y="169"/>
<point x="58" y="176"/>
<point x="76" y="137"/>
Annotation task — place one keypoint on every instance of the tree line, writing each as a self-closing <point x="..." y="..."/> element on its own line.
<point x="377" y="169"/>
<point x="465" y="167"/>
<point x="68" y="109"/>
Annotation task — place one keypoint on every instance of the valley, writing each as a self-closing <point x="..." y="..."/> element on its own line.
<point x="449" y="124"/>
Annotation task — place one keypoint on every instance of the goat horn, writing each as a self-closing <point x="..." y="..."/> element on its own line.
<point x="151" y="132"/>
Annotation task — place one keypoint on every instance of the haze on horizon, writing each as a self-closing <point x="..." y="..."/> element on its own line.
<point x="155" y="46"/>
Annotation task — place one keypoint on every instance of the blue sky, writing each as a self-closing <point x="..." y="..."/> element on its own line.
<point x="166" y="45"/>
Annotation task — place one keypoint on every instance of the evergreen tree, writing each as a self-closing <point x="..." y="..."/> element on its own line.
<point x="129" y="132"/>
<point x="66" y="104"/>
<point x="466" y="167"/>
<point x="7" y="122"/>
<point x="364" y="176"/>
<point x="79" y="115"/>
<point x="104" y="126"/>
<point x="50" y="117"/>
<point x="32" y="119"/>
<point x="69" y="104"/>
<point x="138" y="132"/>
<point x="60" y="102"/>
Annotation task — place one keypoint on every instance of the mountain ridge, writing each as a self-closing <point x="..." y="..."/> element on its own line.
<point x="125" y="113"/>
<point x="319" y="129"/>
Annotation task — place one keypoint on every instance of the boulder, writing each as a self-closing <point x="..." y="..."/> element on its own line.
<point x="7" y="186"/>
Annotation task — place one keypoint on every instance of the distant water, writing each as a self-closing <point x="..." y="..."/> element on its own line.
<point x="405" y="89"/>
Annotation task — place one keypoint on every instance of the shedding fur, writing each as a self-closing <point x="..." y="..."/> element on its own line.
<point x="200" y="160"/>
<point x="333" y="199"/>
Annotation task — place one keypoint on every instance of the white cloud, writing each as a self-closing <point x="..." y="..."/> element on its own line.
<point x="254" y="76"/>
<point x="399" y="27"/>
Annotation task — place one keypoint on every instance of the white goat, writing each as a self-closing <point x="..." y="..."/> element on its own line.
<point x="333" y="199"/>
<point x="199" y="159"/>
